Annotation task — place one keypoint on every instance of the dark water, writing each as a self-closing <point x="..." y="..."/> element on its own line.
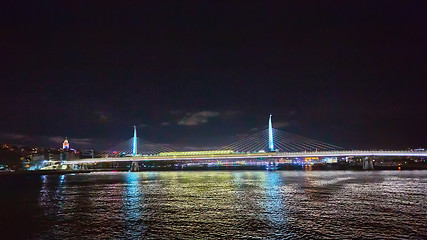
<point x="212" y="205"/>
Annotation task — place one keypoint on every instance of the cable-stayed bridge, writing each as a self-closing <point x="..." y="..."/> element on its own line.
<point x="256" y="143"/>
<point x="271" y="144"/>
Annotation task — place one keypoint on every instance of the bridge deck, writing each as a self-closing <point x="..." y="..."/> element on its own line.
<point x="255" y="155"/>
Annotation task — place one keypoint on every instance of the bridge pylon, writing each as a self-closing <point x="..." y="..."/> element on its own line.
<point x="270" y="135"/>
<point x="135" y="143"/>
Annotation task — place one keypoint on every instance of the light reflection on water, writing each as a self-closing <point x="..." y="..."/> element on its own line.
<point x="239" y="204"/>
<point x="133" y="207"/>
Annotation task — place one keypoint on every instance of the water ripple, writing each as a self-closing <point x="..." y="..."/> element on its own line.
<point x="226" y="205"/>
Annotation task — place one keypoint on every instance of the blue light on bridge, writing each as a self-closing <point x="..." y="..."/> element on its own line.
<point x="270" y="135"/>
<point x="134" y="149"/>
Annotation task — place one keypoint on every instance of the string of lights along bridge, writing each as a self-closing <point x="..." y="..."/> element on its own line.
<point x="270" y="144"/>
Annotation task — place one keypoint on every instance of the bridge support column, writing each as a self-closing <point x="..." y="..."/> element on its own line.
<point x="70" y="166"/>
<point x="134" y="167"/>
<point x="84" y="166"/>
<point x="368" y="164"/>
<point x="271" y="165"/>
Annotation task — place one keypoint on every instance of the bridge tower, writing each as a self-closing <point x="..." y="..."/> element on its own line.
<point x="270" y="135"/>
<point x="134" y="149"/>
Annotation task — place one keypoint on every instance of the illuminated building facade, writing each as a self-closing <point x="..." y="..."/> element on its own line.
<point x="66" y="145"/>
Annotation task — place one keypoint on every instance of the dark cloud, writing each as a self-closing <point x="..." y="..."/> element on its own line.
<point x="15" y="137"/>
<point x="82" y="141"/>
<point x="56" y="140"/>
<point x="194" y="119"/>
<point x="281" y="124"/>
<point x="102" y="117"/>
<point x="230" y="114"/>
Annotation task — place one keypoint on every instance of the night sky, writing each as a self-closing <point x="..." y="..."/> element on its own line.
<point x="194" y="74"/>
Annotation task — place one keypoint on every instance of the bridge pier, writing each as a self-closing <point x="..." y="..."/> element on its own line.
<point x="272" y="165"/>
<point x="134" y="167"/>
<point x="70" y="167"/>
<point x="83" y="166"/>
<point x="368" y="163"/>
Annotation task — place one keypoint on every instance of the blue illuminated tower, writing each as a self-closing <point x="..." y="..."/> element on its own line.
<point x="270" y="135"/>
<point x="134" y="149"/>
